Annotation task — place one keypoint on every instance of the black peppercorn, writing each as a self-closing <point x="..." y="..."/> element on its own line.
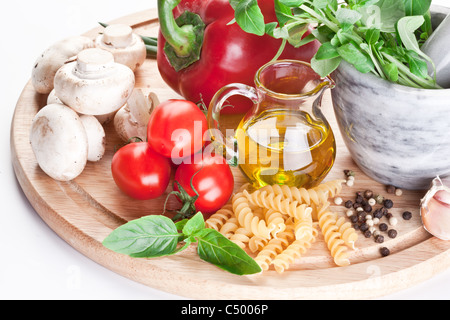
<point x="367" y="208"/>
<point x="379" y="238"/>
<point x="354" y="218"/>
<point x="356" y="226"/>
<point x="364" y="227"/>
<point x="407" y="215"/>
<point x="388" y="203"/>
<point x="389" y="215"/>
<point x="368" y="194"/>
<point x="359" y="198"/>
<point x="378" y="213"/>
<point x="385" y="252"/>
<point x="392" y="233"/>
<point x="383" y="226"/>
<point x="348" y="204"/>
<point x="367" y="234"/>
<point x="390" y="189"/>
<point x="356" y="205"/>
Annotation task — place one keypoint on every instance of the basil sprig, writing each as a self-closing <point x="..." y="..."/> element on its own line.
<point x="157" y="236"/>
<point x="378" y="36"/>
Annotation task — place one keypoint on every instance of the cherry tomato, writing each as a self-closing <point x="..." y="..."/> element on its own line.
<point x="177" y="129"/>
<point x="140" y="172"/>
<point x="211" y="177"/>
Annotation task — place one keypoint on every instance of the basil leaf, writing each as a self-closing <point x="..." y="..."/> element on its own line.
<point x="147" y="237"/>
<point x="347" y="16"/>
<point x="406" y="28"/>
<point x="354" y="56"/>
<point x="383" y="15"/>
<point x="215" y="248"/>
<point x="194" y="225"/>
<point x="372" y="35"/>
<point x="417" y="7"/>
<point x="391" y="71"/>
<point x="249" y="17"/>
<point x="283" y="12"/>
<point x="292" y="3"/>
<point x="326" y="51"/>
<point x="325" y="67"/>
<point x="417" y="66"/>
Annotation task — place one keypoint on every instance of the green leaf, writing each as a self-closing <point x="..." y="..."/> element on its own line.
<point x="249" y="17"/>
<point x="354" y="56"/>
<point x="325" y="67"/>
<point x="347" y="16"/>
<point x="292" y="3"/>
<point x="383" y="15"/>
<point x="417" y="7"/>
<point x="320" y="4"/>
<point x="326" y="51"/>
<point x="194" y="225"/>
<point x="406" y="28"/>
<point x="151" y="236"/>
<point x="417" y="66"/>
<point x="283" y="12"/>
<point x="215" y="248"/>
<point x="391" y="71"/>
<point x="372" y="35"/>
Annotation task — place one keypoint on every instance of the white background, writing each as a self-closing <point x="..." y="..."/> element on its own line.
<point x="34" y="262"/>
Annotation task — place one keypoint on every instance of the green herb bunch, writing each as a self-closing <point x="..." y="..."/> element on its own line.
<point x="379" y="36"/>
<point x="157" y="236"/>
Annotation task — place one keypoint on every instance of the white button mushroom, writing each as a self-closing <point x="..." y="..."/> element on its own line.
<point x="96" y="137"/>
<point x="131" y="120"/>
<point x="94" y="84"/>
<point x="48" y="63"/>
<point x="127" y="47"/>
<point x="59" y="142"/>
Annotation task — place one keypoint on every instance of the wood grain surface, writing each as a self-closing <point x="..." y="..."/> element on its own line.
<point x="84" y="211"/>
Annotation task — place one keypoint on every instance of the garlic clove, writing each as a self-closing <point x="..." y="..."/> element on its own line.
<point x="435" y="210"/>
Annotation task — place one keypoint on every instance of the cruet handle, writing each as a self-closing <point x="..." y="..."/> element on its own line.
<point x="226" y="145"/>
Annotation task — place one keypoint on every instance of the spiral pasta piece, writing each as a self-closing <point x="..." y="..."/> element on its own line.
<point x="348" y="234"/>
<point x="241" y="237"/>
<point x="273" y="248"/>
<point x="256" y="243"/>
<point x="275" y="221"/>
<point x="230" y="227"/>
<point x="301" y="195"/>
<point x="218" y="219"/>
<point x="332" y="188"/>
<point x="247" y="219"/>
<point x="332" y="237"/>
<point x="294" y="251"/>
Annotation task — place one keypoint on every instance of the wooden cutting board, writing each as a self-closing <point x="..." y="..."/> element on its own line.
<point x="83" y="212"/>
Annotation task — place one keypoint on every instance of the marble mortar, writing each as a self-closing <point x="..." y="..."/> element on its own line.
<point x="396" y="135"/>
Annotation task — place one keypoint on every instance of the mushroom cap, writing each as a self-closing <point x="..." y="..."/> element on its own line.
<point x="127" y="47"/>
<point x="59" y="142"/>
<point x="53" y="58"/>
<point x="94" y="84"/>
<point x="96" y="137"/>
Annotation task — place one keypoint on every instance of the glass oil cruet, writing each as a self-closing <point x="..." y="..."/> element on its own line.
<point x="284" y="139"/>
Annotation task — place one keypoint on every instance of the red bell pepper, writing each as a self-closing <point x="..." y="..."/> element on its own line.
<point x="222" y="53"/>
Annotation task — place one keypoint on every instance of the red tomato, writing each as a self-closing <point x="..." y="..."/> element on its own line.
<point x="213" y="180"/>
<point x="140" y="172"/>
<point x="177" y="129"/>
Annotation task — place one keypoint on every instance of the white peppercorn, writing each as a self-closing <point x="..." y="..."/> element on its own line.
<point x="338" y="200"/>
<point x="372" y="201"/>
<point x="350" y="183"/>
<point x="398" y="192"/>
<point x="349" y="213"/>
<point x="376" y="221"/>
<point x="393" y="221"/>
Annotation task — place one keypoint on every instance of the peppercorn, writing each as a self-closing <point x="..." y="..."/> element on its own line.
<point x="388" y="203"/>
<point x="354" y="218"/>
<point x="379" y="239"/>
<point x="372" y="201"/>
<point x="378" y="213"/>
<point x="407" y="215"/>
<point x="392" y="233"/>
<point x="368" y="194"/>
<point x="364" y="227"/>
<point x="348" y="204"/>
<point x="379" y="199"/>
<point x="383" y="226"/>
<point x="338" y="201"/>
<point x="356" y="205"/>
<point x="358" y="198"/>
<point x="390" y="189"/>
<point x="385" y="251"/>
<point x="367" y="234"/>
<point x="388" y="215"/>
<point x="356" y="226"/>
<point x="367" y="208"/>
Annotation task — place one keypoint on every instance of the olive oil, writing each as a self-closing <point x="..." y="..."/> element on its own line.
<point x="285" y="147"/>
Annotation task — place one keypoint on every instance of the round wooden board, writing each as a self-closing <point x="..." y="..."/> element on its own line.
<point x="83" y="212"/>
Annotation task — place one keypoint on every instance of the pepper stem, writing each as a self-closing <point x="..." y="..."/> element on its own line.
<point x="184" y="36"/>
